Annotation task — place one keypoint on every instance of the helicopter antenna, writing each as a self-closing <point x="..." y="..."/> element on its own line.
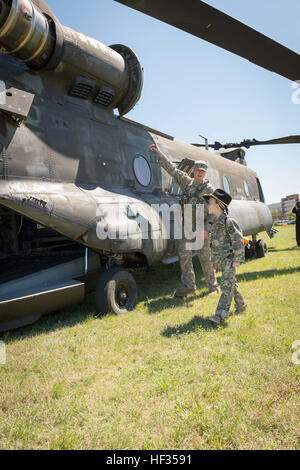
<point x="205" y="140"/>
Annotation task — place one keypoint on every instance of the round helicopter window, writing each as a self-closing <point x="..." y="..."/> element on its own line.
<point x="246" y="188"/>
<point x="226" y="185"/>
<point x="142" y="171"/>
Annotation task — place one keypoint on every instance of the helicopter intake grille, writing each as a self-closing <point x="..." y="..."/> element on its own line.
<point x="105" y="96"/>
<point x="82" y="88"/>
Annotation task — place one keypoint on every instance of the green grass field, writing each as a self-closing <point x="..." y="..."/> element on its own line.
<point x="161" y="377"/>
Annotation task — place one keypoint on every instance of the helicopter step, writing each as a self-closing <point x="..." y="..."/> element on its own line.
<point x="24" y="300"/>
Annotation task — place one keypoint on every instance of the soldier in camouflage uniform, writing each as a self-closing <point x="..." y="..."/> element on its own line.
<point x="228" y="251"/>
<point x="193" y="190"/>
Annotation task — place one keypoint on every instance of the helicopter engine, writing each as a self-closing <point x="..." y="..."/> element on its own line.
<point x="111" y="77"/>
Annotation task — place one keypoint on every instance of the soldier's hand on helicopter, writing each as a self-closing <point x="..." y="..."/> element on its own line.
<point x="206" y="234"/>
<point x="155" y="149"/>
<point x="236" y="265"/>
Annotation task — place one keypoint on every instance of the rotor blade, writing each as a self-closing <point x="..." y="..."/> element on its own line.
<point x="203" y="145"/>
<point x="212" y="25"/>
<point x="292" y="139"/>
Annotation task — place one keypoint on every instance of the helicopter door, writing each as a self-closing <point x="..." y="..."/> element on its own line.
<point x="260" y="191"/>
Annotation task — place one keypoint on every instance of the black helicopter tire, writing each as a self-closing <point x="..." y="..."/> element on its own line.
<point x="116" y="292"/>
<point x="261" y="249"/>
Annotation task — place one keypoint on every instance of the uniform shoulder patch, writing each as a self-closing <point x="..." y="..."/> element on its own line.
<point x="232" y="226"/>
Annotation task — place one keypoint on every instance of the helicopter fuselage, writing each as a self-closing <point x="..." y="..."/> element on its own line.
<point x="67" y="160"/>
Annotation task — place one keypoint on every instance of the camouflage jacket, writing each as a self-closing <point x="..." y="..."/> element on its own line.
<point x="192" y="193"/>
<point x="226" y="240"/>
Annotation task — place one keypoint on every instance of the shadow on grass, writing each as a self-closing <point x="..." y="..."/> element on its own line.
<point x="254" y="275"/>
<point x="191" y="326"/>
<point x="158" y="305"/>
<point x="66" y="318"/>
<point x="274" y="250"/>
<point x="164" y="281"/>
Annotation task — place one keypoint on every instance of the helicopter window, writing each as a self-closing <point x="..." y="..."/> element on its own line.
<point x="142" y="171"/>
<point x="226" y="185"/>
<point x="246" y="188"/>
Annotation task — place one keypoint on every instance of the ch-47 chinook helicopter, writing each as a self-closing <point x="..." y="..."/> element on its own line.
<point x="66" y="158"/>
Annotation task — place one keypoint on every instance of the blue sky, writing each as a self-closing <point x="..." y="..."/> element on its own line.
<point x="192" y="87"/>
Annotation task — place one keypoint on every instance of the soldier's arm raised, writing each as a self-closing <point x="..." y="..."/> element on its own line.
<point x="181" y="177"/>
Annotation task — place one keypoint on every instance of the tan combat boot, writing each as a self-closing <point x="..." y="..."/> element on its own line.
<point x="215" y="319"/>
<point x="218" y="318"/>
<point x="240" y="309"/>
<point x="185" y="292"/>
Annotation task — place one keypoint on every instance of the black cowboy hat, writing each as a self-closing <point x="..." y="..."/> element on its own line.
<point x="222" y="198"/>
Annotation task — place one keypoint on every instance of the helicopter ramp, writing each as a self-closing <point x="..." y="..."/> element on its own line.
<point x="24" y="300"/>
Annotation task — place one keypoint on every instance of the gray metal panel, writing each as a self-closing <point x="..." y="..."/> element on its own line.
<point x="252" y="216"/>
<point x="30" y="285"/>
<point x="40" y="303"/>
<point x="16" y="102"/>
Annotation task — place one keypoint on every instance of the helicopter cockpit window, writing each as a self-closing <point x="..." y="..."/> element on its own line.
<point x="246" y="187"/>
<point x="226" y="185"/>
<point x="142" y="171"/>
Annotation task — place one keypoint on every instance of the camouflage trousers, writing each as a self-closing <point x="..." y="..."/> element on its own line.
<point x="229" y="288"/>
<point x="187" y="268"/>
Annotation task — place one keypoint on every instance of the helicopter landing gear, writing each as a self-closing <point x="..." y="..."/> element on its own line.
<point x="256" y="249"/>
<point x="116" y="292"/>
<point x="261" y="249"/>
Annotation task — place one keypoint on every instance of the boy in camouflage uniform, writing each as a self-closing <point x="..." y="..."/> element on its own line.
<point x="193" y="190"/>
<point x="227" y="247"/>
